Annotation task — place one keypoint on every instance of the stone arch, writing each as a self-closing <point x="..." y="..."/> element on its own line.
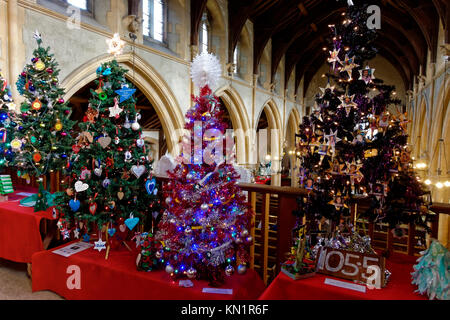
<point x="219" y="27"/>
<point x="148" y="81"/>
<point x="422" y="129"/>
<point x="275" y="126"/>
<point x="292" y="127"/>
<point x="240" y="120"/>
<point x="440" y="125"/>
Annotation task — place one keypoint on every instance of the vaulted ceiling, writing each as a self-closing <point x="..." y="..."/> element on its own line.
<point x="299" y="29"/>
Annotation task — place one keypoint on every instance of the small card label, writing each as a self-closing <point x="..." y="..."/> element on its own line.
<point x="186" y="283"/>
<point x="218" y="290"/>
<point x="345" y="285"/>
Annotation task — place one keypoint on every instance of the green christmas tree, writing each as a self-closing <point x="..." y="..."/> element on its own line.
<point x="110" y="182"/>
<point x="44" y="139"/>
<point x="8" y="123"/>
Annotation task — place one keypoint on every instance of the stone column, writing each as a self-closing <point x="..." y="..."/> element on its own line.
<point x="14" y="35"/>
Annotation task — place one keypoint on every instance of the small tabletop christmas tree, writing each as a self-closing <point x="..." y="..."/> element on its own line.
<point x="110" y="183"/>
<point x="205" y="231"/>
<point x="8" y="124"/>
<point x="432" y="272"/>
<point x="43" y="139"/>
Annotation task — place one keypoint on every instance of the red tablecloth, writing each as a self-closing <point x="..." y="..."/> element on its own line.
<point x="117" y="278"/>
<point x="19" y="229"/>
<point x="399" y="286"/>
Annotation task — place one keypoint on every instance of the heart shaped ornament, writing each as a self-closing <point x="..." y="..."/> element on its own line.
<point x="93" y="208"/>
<point x="140" y="142"/>
<point x="155" y="214"/>
<point x="80" y="186"/>
<point x="74" y="205"/>
<point x="120" y="195"/>
<point x="111" y="231"/>
<point x="122" y="228"/>
<point x="138" y="171"/>
<point x="98" y="172"/>
<point x="104" y="141"/>
<point x="131" y="222"/>
<point x="150" y="185"/>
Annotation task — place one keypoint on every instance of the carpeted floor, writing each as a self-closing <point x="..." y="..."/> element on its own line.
<point x="16" y="285"/>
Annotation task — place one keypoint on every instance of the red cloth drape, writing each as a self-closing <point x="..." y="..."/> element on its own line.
<point x="117" y="278"/>
<point x="398" y="288"/>
<point x="19" y="229"/>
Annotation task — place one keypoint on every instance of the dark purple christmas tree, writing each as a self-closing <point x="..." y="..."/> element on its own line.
<point x="351" y="146"/>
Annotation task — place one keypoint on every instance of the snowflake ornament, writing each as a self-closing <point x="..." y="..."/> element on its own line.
<point x="205" y="70"/>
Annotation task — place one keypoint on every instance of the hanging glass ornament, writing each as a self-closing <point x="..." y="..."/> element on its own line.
<point x="135" y="126"/>
<point x="39" y="65"/>
<point x="58" y="125"/>
<point x="37" y="157"/>
<point x="191" y="273"/>
<point x="140" y="142"/>
<point x="127" y="124"/>
<point x="36" y="105"/>
<point x="229" y="270"/>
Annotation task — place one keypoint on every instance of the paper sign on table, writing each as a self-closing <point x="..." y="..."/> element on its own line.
<point x="73" y="248"/>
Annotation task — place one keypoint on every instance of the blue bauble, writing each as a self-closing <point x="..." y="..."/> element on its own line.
<point x="31" y="88"/>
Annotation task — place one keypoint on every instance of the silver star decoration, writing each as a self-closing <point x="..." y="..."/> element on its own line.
<point x="348" y="65"/>
<point x="100" y="245"/>
<point x="347" y="103"/>
<point x="367" y="74"/>
<point x="334" y="57"/>
<point x="76" y="233"/>
<point x="332" y="138"/>
<point x="115" y="111"/>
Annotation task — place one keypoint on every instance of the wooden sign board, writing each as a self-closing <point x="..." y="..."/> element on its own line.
<point x="359" y="267"/>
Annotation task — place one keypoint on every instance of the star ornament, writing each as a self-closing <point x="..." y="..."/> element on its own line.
<point x="347" y="103"/>
<point x="332" y="138"/>
<point x="116" y="110"/>
<point x="367" y="74"/>
<point x="115" y="45"/>
<point x="328" y="87"/>
<point x="353" y="168"/>
<point x="125" y="93"/>
<point x="334" y="57"/>
<point x="347" y="66"/>
<point x="100" y="245"/>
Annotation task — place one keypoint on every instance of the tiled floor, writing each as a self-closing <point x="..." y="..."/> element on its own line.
<point x="16" y="285"/>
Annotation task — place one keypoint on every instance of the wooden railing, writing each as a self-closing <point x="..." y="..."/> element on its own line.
<point x="273" y="223"/>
